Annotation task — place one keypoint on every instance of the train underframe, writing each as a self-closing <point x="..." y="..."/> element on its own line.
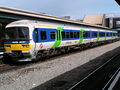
<point x="18" y="56"/>
<point x="61" y="50"/>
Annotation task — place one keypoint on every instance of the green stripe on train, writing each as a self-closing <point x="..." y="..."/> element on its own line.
<point x="98" y="35"/>
<point x="81" y="40"/>
<point x="58" y="38"/>
<point x="112" y="34"/>
<point x="105" y="35"/>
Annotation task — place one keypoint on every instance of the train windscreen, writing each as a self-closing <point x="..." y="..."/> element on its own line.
<point x="17" y="33"/>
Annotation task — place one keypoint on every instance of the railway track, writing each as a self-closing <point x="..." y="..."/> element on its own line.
<point x="101" y="78"/>
<point x="1" y="65"/>
<point x="113" y="81"/>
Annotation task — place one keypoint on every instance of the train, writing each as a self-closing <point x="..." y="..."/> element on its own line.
<point x="31" y="40"/>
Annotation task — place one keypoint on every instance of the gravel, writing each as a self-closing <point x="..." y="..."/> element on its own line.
<point x="39" y="73"/>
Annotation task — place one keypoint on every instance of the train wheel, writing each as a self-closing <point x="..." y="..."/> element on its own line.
<point x="67" y="50"/>
<point x="7" y="59"/>
<point x="39" y="56"/>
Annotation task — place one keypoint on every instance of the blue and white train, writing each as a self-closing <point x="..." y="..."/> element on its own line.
<point x="32" y="40"/>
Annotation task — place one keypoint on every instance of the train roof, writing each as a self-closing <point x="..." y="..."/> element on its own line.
<point x="32" y="22"/>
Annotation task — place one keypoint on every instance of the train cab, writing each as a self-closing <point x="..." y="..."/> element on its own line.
<point x="17" y="41"/>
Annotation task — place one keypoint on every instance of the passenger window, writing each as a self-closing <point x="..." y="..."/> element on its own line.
<point x="67" y="35"/>
<point x="95" y="34"/>
<point x="110" y="34"/>
<point x="43" y="35"/>
<point x="86" y="34"/>
<point x="102" y="34"/>
<point x="107" y="34"/>
<point x="52" y="34"/>
<point x="71" y="34"/>
<point x="114" y="34"/>
<point x="78" y="34"/>
<point x="36" y="35"/>
<point x="75" y="34"/>
<point x="63" y="35"/>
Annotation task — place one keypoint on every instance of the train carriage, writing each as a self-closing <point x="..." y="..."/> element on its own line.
<point x="31" y="40"/>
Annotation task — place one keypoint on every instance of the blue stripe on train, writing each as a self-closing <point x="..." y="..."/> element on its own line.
<point x="48" y="30"/>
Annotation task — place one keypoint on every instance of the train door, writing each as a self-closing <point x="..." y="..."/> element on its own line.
<point x="35" y="39"/>
<point x="98" y="35"/>
<point x="58" y="38"/>
<point x="40" y="37"/>
<point x="81" y="38"/>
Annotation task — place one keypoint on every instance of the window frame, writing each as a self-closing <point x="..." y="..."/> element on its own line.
<point x="40" y="32"/>
<point x="51" y="35"/>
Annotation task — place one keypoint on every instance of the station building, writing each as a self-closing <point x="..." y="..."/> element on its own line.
<point x="111" y="21"/>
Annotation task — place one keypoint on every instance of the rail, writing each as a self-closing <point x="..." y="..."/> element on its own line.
<point x="79" y="84"/>
<point x="112" y="82"/>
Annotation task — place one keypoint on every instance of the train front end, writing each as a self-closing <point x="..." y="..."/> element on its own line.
<point x="17" y="43"/>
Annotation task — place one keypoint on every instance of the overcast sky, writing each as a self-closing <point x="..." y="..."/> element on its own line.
<point x="74" y="8"/>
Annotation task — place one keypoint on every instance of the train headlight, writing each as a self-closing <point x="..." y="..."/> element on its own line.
<point x="26" y="46"/>
<point x="7" y="45"/>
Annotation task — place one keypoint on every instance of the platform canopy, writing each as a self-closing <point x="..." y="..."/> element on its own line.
<point x="8" y="15"/>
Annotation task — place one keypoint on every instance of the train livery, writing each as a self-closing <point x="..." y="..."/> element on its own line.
<point x="32" y="40"/>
